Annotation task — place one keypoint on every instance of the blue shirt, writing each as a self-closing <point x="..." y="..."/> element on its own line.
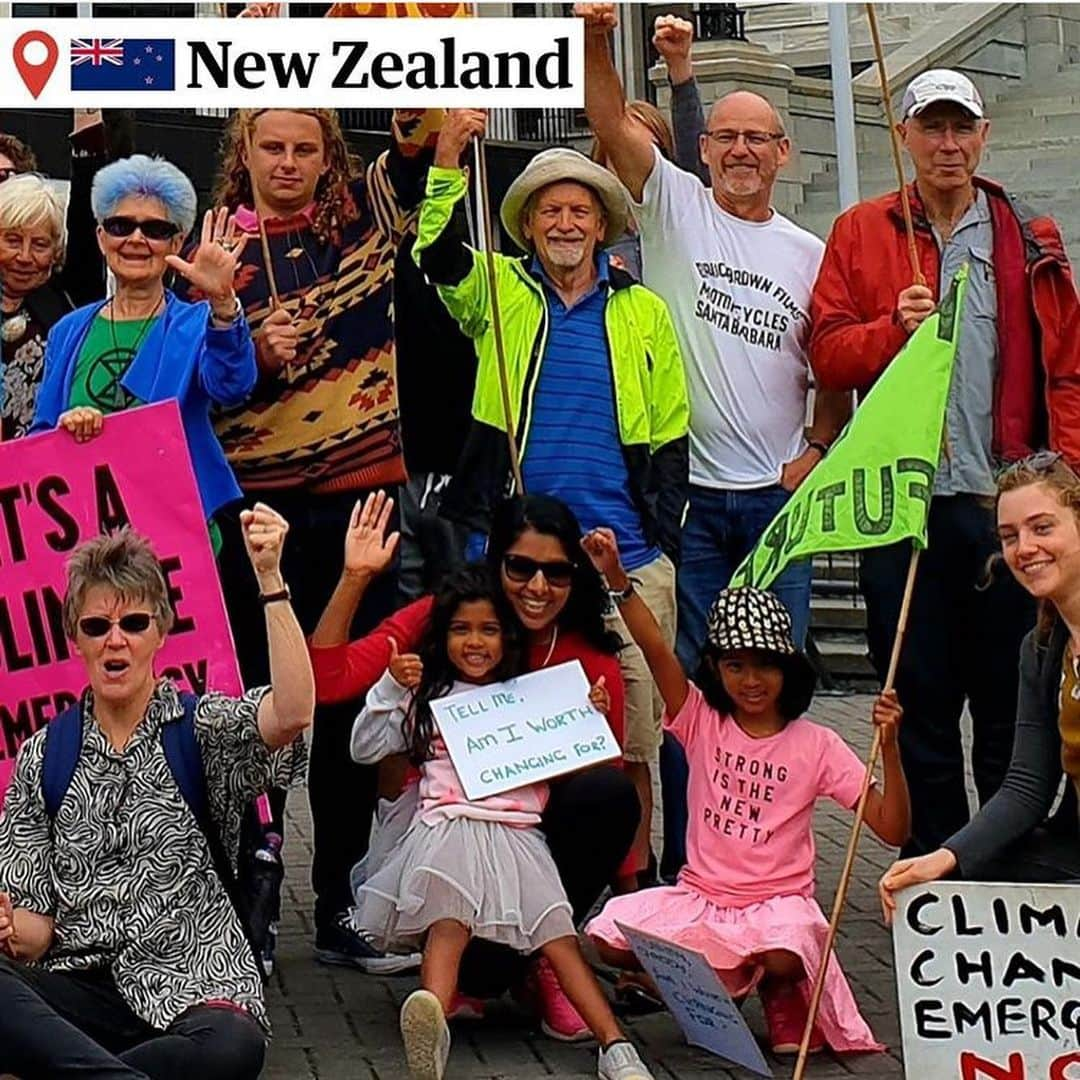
<point x="573" y="450"/>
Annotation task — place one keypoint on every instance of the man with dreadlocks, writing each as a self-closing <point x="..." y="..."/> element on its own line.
<point x="322" y="424"/>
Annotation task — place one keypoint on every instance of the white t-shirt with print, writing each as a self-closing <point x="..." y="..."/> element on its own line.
<point x="739" y="294"/>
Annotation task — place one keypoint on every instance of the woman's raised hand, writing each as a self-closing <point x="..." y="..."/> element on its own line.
<point x="213" y="265"/>
<point x="369" y="550"/>
<point x="264" y="538"/>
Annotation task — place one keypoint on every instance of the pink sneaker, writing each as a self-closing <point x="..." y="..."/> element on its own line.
<point x="558" y="1017"/>
<point x="464" y="1007"/>
<point x="785" y="1016"/>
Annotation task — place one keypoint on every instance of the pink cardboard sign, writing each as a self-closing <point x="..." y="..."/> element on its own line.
<point x="56" y="493"/>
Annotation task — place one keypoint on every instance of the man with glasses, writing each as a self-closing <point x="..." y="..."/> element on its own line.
<point x="1014" y="389"/>
<point x="737" y="276"/>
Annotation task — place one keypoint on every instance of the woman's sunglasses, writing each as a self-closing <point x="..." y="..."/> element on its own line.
<point x="95" y="626"/>
<point x="151" y="228"/>
<point x="521" y="568"/>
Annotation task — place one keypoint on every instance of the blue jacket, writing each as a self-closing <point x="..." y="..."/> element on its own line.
<point x="183" y="357"/>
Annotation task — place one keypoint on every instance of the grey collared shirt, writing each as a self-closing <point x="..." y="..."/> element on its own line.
<point x="966" y="465"/>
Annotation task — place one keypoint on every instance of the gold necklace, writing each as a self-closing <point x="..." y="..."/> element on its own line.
<point x="551" y="647"/>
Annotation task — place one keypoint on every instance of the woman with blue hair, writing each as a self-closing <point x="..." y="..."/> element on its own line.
<point x="143" y="344"/>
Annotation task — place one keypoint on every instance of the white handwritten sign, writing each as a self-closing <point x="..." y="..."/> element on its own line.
<point x="527" y="729"/>
<point x="698" y="1000"/>
<point x="988" y="980"/>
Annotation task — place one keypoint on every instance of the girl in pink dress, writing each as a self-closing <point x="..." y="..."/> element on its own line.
<point x="745" y="899"/>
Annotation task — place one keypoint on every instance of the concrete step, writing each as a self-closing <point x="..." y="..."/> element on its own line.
<point x="837" y="614"/>
<point x="844" y="657"/>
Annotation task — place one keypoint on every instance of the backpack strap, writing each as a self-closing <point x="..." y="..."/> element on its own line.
<point x="185" y="762"/>
<point x="63" y="744"/>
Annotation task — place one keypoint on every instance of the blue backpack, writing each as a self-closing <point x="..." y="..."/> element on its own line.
<point x="63" y="745"/>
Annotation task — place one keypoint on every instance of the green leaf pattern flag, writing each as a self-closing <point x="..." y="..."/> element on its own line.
<point x="874" y="486"/>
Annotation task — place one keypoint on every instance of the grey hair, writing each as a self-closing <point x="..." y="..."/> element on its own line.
<point x="123" y="562"/>
<point x="28" y="200"/>
<point x="150" y="178"/>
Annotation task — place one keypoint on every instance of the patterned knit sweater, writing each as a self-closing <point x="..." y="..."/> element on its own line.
<point x="331" y="422"/>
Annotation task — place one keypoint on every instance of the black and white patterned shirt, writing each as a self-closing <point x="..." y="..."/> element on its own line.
<point x="124" y="868"/>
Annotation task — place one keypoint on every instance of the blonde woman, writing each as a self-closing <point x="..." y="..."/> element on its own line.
<point x="32" y="246"/>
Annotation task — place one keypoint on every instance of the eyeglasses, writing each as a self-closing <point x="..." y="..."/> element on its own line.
<point x="136" y="622"/>
<point x="521" y="568"/>
<point x="756" y="139"/>
<point x="151" y="228"/>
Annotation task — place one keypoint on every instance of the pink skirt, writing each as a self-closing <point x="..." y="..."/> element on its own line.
<point x="730" y="936"/>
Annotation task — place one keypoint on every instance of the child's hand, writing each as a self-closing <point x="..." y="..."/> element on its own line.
<point x="887" y="715"/>
<point x="600" y="697"/>
<point x="603" y="552"/>
<point x="406" y="669"/>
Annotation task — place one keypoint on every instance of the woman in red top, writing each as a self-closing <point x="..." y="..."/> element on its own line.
<point x="535" y="546"/>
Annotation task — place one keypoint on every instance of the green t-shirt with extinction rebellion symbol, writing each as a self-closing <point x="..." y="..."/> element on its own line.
<point x="103" y="361"/>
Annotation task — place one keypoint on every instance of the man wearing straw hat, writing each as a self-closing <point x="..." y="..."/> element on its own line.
<point x="595" y="381"/>
<point x="1014" y="390"/>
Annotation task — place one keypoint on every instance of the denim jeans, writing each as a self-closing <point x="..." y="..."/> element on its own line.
<point x="721" y="528"/>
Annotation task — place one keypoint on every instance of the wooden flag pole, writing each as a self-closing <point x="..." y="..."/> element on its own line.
<point x="856" y="828"/>
<point x="894" y="142"/>
<point x="496" y="320"/>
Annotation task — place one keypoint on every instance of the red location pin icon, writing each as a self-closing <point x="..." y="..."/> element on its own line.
<point x="34" y="71"/>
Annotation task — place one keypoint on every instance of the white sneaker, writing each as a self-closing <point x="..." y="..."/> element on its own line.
<point x="426" y="1036"/>
<point x="620" y="1061"/>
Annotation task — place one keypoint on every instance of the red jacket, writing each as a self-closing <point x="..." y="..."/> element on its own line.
<point x="866" y="265"/>
<point x="348" y="672"/>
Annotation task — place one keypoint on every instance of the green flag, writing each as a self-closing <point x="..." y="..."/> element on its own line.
<point x="874" y="486"/>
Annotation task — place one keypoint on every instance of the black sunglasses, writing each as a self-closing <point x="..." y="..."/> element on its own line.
<point x="151" y="228"/>
<point x="521" y="568"/>
<point x="137" y="622"/>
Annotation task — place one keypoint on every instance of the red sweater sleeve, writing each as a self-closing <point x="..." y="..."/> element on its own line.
<point x="346" y="672"/>
<point x="848" y="351"/>
<point x="597" y="664"/>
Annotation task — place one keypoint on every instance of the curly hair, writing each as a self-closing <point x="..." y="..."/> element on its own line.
<point x="466" y="585"/>
<point x="22" y="157"/>
<point x="334" y="208"/>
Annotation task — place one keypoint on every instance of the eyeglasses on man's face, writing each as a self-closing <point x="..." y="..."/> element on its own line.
<point x="725" y="137"/>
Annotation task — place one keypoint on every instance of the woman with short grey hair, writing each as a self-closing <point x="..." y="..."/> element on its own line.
<point x="122" y="953"/>
<point x="32" y="243"/>
<point x="143" y="344"/>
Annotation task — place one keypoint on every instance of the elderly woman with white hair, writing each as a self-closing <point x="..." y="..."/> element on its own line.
<point x="32" y="242"/>
<point x="143" y="344"/>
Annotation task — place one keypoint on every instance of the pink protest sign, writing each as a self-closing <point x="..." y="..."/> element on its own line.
<point x="55" y="493"/>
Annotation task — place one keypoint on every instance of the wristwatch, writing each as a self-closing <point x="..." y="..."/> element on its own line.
<point x="274" y="597"/>
<point x="620" y="596"/>
<point x="818" y="445"/>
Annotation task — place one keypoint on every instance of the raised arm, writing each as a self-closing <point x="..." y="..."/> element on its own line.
<point x="369" y="550"/>
<point x="666" y="670"/>
<point x="672" y="38"/>
<point x="288" y="709"/>
<point x="628" y="145"/>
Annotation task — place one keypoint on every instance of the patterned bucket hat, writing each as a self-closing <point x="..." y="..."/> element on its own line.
<point x="749" y="618"/>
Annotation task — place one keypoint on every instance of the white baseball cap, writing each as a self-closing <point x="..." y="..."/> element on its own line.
<point x="940" y="84"/>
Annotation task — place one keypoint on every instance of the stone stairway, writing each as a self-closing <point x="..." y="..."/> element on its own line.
<point x="1034" y="149"/>
<point x="838" y="625"/>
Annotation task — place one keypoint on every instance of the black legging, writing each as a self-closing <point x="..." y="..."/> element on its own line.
<point x="589" y="823"/>
<point x="55" y="1025"/>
